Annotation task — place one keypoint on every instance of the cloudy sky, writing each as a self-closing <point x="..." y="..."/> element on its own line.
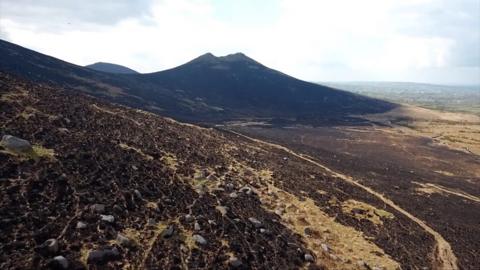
<point x="436" y="41"/>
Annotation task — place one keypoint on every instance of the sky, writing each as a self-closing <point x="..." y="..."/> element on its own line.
<point x="432" y="41"/>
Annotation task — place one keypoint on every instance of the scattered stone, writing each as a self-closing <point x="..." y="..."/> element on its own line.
<point x="308" y="231"/>
<point x="188" y="218"/>
<point x="61" y="261"/>
<point x="117" y="208"/>
<point x="230" y="186"/>
<point x="325" y="247"/>
<point x="134" y="167"/>
<point x="235" y="262"/>
<point x="81" y="225"/>
<point x="199" y="239"/>
<point x="138" y="194"/>
<point x="211" y="222"/>
<point x="124" y="241"/>
<point x="168" y="232"/>
<point x="255" y="222"/>
<point x="102" y="256"/>
<point x="108" y="218"/>
<point x="308" y="257"/>
<point x="98" y="208"/>
<point x="233" y="195"/>
<point x="196" y="226"/>
<point x="222" y="209"/>
<point x="16" y="144"/>
<point x="51" y="245"/>
<point x="279" y="212"/>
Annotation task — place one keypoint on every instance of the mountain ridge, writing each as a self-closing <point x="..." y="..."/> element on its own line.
<point x="207" y="89"/>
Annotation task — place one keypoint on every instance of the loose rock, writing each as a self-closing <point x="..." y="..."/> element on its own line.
<point x="222" y="209"/>
<point x="124" y="241"/>
<point x="235" y="262"/>
<point x="51" y="245"/>
<point x="308" y="257"/>
<point x="102" y="256"/>
<point x="138" y="194"/>
<point x="188" y="218"/>
<point x="16" y="144"/>
<point x="325" y="247"/>
<point x="81" y="225"/>
<point x="255" y="222"/>
<point x="196" y="226"/>
<point x="98" y="208"/>
<point x="108" y="218"/>
<point x="168" y="232"/>
<point x="199" y="239"/>
<point x="61" y="261"/>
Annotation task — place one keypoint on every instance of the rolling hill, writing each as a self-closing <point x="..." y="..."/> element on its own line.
<point x="111" y="68"/>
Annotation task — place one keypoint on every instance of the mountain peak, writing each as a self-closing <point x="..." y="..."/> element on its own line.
<point x="230" y="58"/>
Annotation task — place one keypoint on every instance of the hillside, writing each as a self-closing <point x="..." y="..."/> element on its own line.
<point x="207" y="89"/>
<point x="122" y="188"/>
<point x="111" y="68"/>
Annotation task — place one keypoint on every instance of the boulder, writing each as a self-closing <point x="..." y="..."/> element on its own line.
<point x="16" y="144"/>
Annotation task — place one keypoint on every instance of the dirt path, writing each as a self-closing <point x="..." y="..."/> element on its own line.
<point x="460" y="194"/>
<point x="445" y="259"/>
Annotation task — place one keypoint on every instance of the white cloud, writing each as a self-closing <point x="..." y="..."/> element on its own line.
<point x="310" y="39"/>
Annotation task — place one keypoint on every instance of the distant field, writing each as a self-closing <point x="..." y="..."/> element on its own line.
<point x="438" y="97"/>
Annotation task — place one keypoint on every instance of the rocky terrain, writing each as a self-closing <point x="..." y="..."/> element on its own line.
<point x="101" y="186"/>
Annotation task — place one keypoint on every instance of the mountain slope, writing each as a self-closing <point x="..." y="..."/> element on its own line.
<point x="120" y="187"/>
<point x="207" y="89"/>
<point x="111" y="68"/>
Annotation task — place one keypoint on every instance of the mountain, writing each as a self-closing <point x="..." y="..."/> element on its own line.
<point x="109" y="187"/>
<point x="206" y="89"/>
<point x="111" y="68"/>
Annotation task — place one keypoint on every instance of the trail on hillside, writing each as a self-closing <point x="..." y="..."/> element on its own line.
<point x="453" y="192"/>
<point x="445" y="259"/>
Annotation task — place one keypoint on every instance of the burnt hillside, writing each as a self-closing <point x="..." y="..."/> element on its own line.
<point x="107" y="187"/>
